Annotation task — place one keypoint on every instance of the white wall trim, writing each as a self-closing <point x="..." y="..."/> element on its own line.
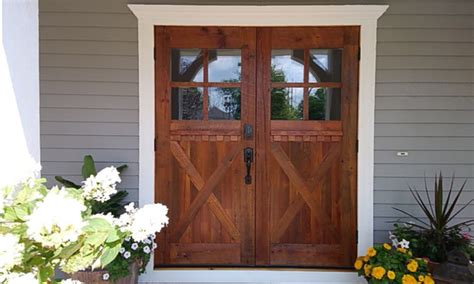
<point x="364" y="16"/>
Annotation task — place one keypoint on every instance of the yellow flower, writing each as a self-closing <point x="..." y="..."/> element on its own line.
<point x="412" y="265"/>
<point x="358" y="264"/>
<point x="371" y="252"/>
<point x="367" y="269"/>
<point x="402" y="250"/>
<point x="366" y="258"/>
<point x="408" y="279"/>
<point x="428" y="280"/>
<point x="391" y="275"/>
<point x="421" y="278"/>
<point x="387" y="246"/>
<point x="378" y="272"/>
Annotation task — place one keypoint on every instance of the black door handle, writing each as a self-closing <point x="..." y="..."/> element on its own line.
<point x="248" y="159"/>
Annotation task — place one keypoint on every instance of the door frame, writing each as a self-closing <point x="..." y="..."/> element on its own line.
<point x="364" y="16"/>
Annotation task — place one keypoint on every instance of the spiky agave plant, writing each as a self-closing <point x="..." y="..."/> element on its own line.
<point x="438" y="234"/>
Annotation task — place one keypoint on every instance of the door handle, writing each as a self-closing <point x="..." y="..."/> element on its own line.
<point x="248" y="159"/>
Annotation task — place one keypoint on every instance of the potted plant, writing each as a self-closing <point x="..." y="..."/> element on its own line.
<point x="43" y="229"/>
<point x="436" y="235"/>
<point x="134" y="255"/>
<point x="387" y="264"/>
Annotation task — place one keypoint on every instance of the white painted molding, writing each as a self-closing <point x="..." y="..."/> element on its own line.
<point x="364" y="16"/>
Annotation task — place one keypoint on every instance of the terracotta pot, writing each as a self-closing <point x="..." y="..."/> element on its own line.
<point x="96" y="276"/>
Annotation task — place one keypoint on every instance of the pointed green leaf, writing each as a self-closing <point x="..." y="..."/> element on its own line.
<point x="66" y="183"/>
<point x="88" y="169"/>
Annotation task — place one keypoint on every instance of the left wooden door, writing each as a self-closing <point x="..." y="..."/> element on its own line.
<point x="205" y="96"/>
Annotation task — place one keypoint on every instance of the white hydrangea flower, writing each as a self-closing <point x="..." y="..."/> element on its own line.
<point x="18" y="169"/>
<point x="56" y="220"/>
<point x="70" y="281"/>
<point x="146" y="249"/>
<point x="105" y="276"/>
<point x="21" y="278"/>
<point x="134" y="246"/>
<point x="126" y="254"/>
<point x="144" y="222"/>
<point x="10" y="252"/>
<point x="101" y="186"/>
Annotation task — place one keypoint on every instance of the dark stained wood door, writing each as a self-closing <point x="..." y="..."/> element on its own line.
<point x="296" y="87"/>
<point x="205" y="94"/>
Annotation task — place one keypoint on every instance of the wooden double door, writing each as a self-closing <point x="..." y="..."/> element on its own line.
<point x="256" y="137"/>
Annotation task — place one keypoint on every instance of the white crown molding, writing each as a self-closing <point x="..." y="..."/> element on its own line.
<point x="364" y="16"/>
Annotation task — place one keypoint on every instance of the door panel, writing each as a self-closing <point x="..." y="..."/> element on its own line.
<point x="205" y="94"/>
<point x="306" y="147"/>
<point x="296" y="88"/>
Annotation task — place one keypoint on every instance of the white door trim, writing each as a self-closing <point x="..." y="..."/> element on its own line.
<point x="364" y="16"/>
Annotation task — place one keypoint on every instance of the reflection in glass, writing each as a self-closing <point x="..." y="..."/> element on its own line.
<point x="224" y="103"/>
<point x="325" y="65"/>
<point x="324" y="104"/>
<point x="287" y="103"/>
<point x="186" y="65"/>
<point x="287" y="65"/>
<point x="186" y="103"/>
<point x="224" y="65"/>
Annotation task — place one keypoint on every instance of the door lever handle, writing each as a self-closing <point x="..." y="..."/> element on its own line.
<point x="248" y="159"/>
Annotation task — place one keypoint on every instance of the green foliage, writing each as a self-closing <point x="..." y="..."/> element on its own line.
<point x="384" y="264"/>
<point x="114" y="204"/>
<point x="435" y="237"/>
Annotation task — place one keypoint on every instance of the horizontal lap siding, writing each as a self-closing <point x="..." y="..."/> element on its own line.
<point x="424" y="92"/>
<point x="89" y="88"/>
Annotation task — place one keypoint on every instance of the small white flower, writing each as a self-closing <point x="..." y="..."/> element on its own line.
<point x="394" y="239"/>
<point x="130" y="208"/>
<point x="126" y="254"/>
<point x="154" y="246"/>
<point x="70" y="281"/>
<point x="147" y="241"/>
<point x="146" y="249"/>
<point x="127" y="239"/>
<point x="122" y="250"/>
<point x="134" y="246"/>
<point x="404" y="244"/>
<point x="105" y="276"/>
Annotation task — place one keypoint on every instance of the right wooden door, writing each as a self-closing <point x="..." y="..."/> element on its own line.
<point x="306" y="148"/>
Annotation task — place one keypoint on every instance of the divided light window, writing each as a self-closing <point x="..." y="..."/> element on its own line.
<point x="205" y="84"/>
<point x="306" y="84"/>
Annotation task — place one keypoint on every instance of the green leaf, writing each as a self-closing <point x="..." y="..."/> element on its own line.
<point x="21" y="211"/>
<point x="96" y="239"/>
<point x="97" y="225"/>
<point x="69" y="250"/>
<point x="66" y="183"/>
<point x="110" y="253"/>
<point x="88" y="168"/>
<point x="121" y="168"/>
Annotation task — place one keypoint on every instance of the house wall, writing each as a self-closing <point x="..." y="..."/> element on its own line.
<point x="424" y="92"/>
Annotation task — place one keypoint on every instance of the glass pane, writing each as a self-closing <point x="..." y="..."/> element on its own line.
<point x="186" y="103"/>
<point x="186" y="65"/>
<point x="324" y="104"/>
<point x="224" y="103"/>
<point x="224" y="65"/>
<point x="287" y="65"/>
<point x="287" y="103"/>
<point x="325" y="65"/>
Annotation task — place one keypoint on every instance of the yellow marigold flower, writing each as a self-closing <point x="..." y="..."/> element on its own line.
<point x="358" y="264"/>
<point x="412" y="265"/>
<point x="378" y="272"/>
<point x="371" y="252"/>
<point x="391" y="275"/>
<point x="366" y="258"/>
<point x="408" y="279"/>
<point x="428" y="280"/>
<point x="367" y="269"/>
<point x="387" y="246"/>
<point x="421" y="278"/>
<point x="402" y="250"/>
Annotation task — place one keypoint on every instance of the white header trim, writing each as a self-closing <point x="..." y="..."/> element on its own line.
<point x="364" y="16"/>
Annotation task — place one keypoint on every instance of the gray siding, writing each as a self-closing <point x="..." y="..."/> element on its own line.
<point x="424" y="92"/>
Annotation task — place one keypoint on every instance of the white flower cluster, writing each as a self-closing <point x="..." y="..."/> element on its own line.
<point x="22" y="278"/>
<point x="144" y="222"/>
<point x="10" y="253"/>
<point x="101" y="186"/>
<point x="57" y="219"/>
<point x="403" y="244"/>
